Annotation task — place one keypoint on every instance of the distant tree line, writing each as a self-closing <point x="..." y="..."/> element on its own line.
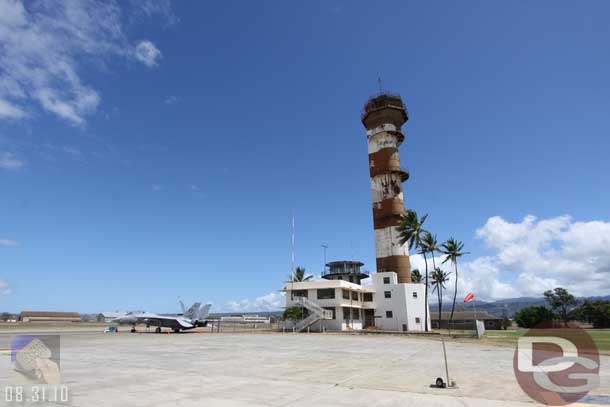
<point x="564" y="307"/>
<point x="6" y="316"/>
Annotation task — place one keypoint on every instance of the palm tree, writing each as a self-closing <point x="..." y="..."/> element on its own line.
<point x="299" y="276"/>
<point x="453" y="249"/>
<point x="428" y="245"/>
<point x="439" y="279"/>
<point x="410" y="228"/>
<point x="410" y="231"/>
<point x="416" y="277"/>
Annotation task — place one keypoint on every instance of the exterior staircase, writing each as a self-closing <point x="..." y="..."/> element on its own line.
<point x="316" y="313"/>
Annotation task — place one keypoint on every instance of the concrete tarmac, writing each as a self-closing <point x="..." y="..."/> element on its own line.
<point x="274" y="369"/>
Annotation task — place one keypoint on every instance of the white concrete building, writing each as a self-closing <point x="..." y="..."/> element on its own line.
<point x="380" y="303"/>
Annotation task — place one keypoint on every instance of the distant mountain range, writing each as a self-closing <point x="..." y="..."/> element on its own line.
<point x="506" y="307"/>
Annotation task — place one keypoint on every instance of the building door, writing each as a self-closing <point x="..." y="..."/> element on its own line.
<point x="369" y="318"/>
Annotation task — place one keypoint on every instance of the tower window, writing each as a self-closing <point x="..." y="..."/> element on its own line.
<point x="388" y="314"/>
<point x="386" y="280"/>
<point x="414" y="294"/>
<point x="387" y="294"/>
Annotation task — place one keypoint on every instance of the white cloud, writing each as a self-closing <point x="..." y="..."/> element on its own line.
<point x="10" y="111"/>
<point x="160" y="8"/>
<point x="4" y="288"/>
<point x="8" y="242"/>
<point x="9" y="162"/>
<point x="532" y="256"/>
<point x="42" y="45"/>
<point x="270" y="302"/>
<point x="172" y="100"/>
<point x="147" y="53"/>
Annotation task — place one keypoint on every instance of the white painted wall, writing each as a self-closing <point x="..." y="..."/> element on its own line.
<point x="386" y="186"/>
<point x="383" y="127"/>
<point x="382" y="140"/>
<point x="406" y="309"/>
<point x="387" y="243"/>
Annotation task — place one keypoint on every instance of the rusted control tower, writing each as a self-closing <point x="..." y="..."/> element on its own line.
<point x="383" y="117"/>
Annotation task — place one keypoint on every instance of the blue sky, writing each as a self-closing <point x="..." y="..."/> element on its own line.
<point x="157" y="149"/>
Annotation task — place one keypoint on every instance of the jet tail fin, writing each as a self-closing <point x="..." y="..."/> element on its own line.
<point x="203" y="312"/>
<point x="198" y="312"/>
<point x="192" y="311"/>
<point x="182" y="306"/>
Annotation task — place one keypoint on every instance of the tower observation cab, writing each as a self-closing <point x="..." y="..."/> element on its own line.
<point x="345" y="270"/>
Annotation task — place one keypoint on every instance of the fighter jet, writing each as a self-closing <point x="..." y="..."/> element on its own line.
<point x="195" y="316"/>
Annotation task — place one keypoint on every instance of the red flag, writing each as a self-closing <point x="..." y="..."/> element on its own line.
<point x="469" y="297"/>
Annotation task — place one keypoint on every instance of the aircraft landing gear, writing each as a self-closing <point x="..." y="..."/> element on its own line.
<point x="133" y="330"/>
<point x="176" y="330"/>
<point x="158" y="330"/>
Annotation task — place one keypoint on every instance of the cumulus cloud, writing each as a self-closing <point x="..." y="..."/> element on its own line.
<point x="534" y="255"/>
<point x="42" y="45"/>
<point x="9" y="162"/>
<point x="4" y="288"/>
<point x="270" y="302"/>
<point x="7" y="242"/>
<point x="147" y="53"/>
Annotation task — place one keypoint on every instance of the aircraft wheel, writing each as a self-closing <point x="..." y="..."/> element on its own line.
<point x="133" y="330"/>
<point x="158" y="330"/>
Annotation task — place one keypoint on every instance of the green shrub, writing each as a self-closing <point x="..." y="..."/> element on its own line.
<point x="531" y="316"/>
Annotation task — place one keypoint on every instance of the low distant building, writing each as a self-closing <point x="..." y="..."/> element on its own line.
<point x="49" y="316"/>
<point x="465" y="320"/>
<point x="348" y="304"/>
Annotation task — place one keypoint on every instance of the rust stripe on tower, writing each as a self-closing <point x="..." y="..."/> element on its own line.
<point x="383" y="117"/>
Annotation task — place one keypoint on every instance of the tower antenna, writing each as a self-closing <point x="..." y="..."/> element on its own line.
<point x="379" y="82"/>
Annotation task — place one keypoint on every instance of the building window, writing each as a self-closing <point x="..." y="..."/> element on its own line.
<point x="367" y="297"/>
<point x="334" y="311"/>
<point x="299" y="293"/>
<point x="417" y="320"/>
<point x="346" y="314"/>
<point x="386" y="280"/>
<point x="351" y="279"/>
<point x="355" y="295"/>
<point x="355" y="313"/>
<point x="387" y="294"/>
<point x="414" y="294"/>
<point x="388" y="314"/>
<point x="326" y="293"/>
<point x="345" y="294"/>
